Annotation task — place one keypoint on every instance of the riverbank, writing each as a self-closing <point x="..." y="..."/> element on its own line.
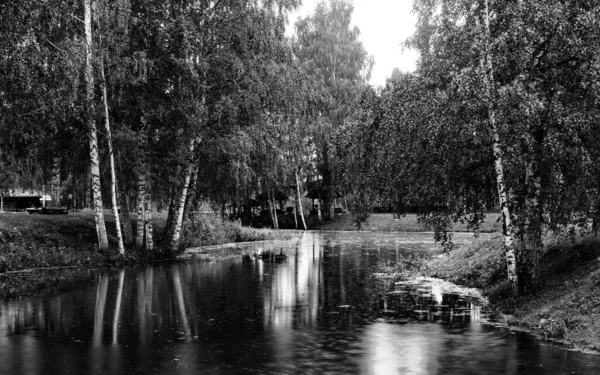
<point x="407" y="223"/>
<point x="34" y="248"/>
<point x="566" y="308"/>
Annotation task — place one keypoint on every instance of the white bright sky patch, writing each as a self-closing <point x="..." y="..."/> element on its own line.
<point x="384" y="25"/>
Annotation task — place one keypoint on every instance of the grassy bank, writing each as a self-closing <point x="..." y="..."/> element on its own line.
<point x="33" y="247"/>
<point x="407" y="223"/>
<point x="567" y="305"/>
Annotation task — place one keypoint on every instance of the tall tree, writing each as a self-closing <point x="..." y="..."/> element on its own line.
<point x="91" y="127"/>
<point x="333" y="52"/>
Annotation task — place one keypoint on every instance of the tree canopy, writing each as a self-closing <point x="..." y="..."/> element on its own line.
<point x="206" y="100"/>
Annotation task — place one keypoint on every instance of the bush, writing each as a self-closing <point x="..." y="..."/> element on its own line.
<point x="204" y="227"/>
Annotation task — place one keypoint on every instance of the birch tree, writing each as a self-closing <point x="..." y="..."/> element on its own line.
<point x="111" y="156"/>
<point x="491" y="100"/>
<point x="334" y="53"/>
<point x="91" y="127"/>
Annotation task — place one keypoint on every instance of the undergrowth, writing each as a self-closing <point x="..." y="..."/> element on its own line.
<point x="203" y="227"/>
<point x="566" y="304"/>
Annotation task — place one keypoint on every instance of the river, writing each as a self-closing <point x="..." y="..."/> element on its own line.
<point x="322" y="310"/>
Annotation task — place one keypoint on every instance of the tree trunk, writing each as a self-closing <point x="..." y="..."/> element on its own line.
<point x="139" y="235"/>
<point x="271" y="212"/>
<point x="319" y="205"/>
<point x="92" y="136"/>
<point x="300" y="200"/>
<point x="531" y="245"/>
<point x="126" y="219"/>
<point x="189" y="200"/>
<point x="55" y="182"/>
<point x="87" y="199"/>
<point x="170" y="215"/>
<point x="295" y="211"/>
<point x="111" y="156"/>
<point x="326" y="202"/>
<point x="180" y="202"/>
<point x="507" y="230"/>
<point x="148" y="222"/>
<point x="274" y="207"/>
<point x="507" y="227"/>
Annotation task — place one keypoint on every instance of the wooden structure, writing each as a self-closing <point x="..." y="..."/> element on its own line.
<point x="21" y="202"/>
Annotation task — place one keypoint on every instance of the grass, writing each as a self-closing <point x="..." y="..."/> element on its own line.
<point x="407" y="223"/>
<point x="211" y="229"/>
<point x="566" y="305"/>
<point x="46" y="242"/>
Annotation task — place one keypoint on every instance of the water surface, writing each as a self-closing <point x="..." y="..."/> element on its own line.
<point x="320" y="311"/>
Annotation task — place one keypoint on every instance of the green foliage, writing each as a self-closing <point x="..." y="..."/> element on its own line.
<point x="526" y="84"/>
<point x="331" y="51"/>
<point x="204" y="227"/>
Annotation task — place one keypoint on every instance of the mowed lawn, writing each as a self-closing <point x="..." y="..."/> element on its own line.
<point x="76" y="228"/>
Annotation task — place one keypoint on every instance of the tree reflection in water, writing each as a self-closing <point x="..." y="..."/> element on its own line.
<point x="319" y="311"/>
<point x="101" y="291"/>
<point x="117" y="315"/>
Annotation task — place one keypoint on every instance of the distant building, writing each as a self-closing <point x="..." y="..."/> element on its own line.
<point x="19" y="200"/>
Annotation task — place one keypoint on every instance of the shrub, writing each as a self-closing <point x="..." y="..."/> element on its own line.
<point x="204" y="227"/>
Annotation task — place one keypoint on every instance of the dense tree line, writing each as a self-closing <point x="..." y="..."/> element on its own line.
<point x="163" y="104"/>
<point x="502" y="112"/>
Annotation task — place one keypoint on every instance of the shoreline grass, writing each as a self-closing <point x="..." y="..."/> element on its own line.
<point x="566" y="306"/>
<point x="36" y="251"/>
<point x="406" y="223"/>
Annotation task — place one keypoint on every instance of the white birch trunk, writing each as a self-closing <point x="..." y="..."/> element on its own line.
<point x="507" y="227"/>
<point x="275" y="212"/>
<point x="273" y="209"/>
<point x="180" y="204"/>
<point x="111" y="155"/>
<point x="55" y="182"/>
<point x="189" y="200"/>
<point x="148" y="222"/>
<point x="92" y="134"/>
<point x="300" y="200"/>
<point x="139" y="235"/>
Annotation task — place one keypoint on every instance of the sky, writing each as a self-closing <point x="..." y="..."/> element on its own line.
<point x="384" y="25"/>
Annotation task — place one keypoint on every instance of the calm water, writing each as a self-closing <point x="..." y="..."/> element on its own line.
<point x="320" y="311"/>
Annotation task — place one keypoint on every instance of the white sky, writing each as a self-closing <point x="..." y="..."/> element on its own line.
<point x="383" y="24"/>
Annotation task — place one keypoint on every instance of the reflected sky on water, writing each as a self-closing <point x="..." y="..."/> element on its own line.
<point x="319" y="311"/>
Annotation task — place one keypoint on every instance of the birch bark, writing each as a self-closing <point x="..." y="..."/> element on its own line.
<point x="92" y="133"/>
<point x="55" y="182"/>
<point x="180" y="203"/>
<point x="111" y="155"/>
<point x="139" y="234"/>
<point x="148" y="222"/>
<point x="507" y="227"/>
